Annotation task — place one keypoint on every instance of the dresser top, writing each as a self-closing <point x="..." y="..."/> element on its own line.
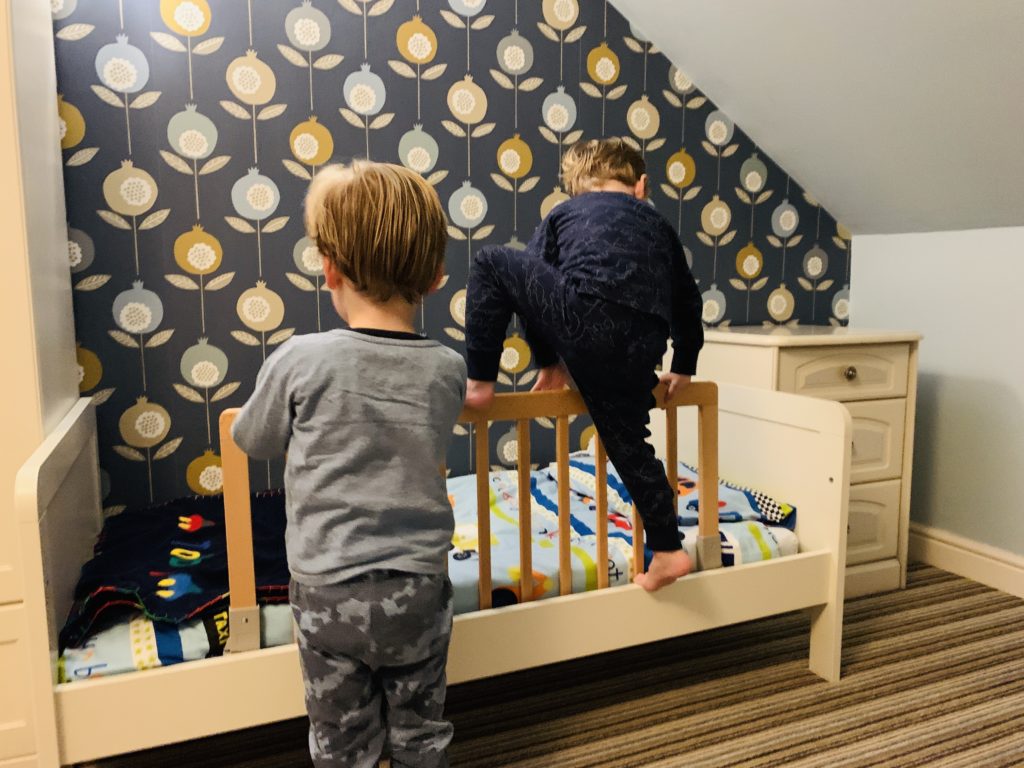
<point x="805" y="336"/>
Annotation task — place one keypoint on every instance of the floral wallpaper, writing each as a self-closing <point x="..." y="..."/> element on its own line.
<point x="191" y="128"/>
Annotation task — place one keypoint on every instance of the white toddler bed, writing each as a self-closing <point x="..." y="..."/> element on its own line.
<point x="793" y="447"/>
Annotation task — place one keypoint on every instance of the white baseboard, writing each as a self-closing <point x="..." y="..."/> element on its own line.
<point x="997" y="568"/>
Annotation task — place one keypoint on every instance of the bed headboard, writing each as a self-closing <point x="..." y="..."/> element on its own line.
<point x="59" y="513"/>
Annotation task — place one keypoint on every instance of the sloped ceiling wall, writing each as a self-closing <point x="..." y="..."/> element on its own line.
<point x="898" y="116"/>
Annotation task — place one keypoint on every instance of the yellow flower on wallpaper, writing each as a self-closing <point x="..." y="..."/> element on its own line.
<point x="205" y="475"/>
<point x="90" y="369"/>
<point x="603" y="65"/>
<point x="198" y="252"/>
<point x="457" y="306"/>
<point x="715" y="217"/>
<point x="252" y="81"/>
<point x="560" y="14"/>
<point x="260" y="309"/>
<point x="467" y="101"/>
<point x="144" y="424"/>
<point x="311" y="143"/>
<point x="129" y="191"/>
<point x="557" y="197"/>
<point x="515" y="354"/>
<point x="680" y="169"/>
<point x="515" y="158"/>
<point x="643" y="118"/>
<point x="72" y="124"/>
<point x="186" y="17"/>
<point x="416" y="41"/>
<point x="749" y="262"/>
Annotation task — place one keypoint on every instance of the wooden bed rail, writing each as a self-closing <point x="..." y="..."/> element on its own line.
<point x="521" y="408"/>
<point x="560" y="406"/>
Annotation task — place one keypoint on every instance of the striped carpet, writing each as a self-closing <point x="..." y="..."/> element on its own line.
<point x="932" y="676"/>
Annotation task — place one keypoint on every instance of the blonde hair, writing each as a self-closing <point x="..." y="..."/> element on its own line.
<point x="588" y="163"/>
<point x="381" y="226"/>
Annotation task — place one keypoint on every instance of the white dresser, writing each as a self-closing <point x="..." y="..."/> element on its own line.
<point x="874" y="373"/>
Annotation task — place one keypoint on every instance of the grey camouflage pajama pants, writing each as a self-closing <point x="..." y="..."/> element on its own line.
<point x="373" y="654"/>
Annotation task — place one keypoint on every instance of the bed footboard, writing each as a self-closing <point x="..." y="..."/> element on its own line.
<point x="521" y="408"/>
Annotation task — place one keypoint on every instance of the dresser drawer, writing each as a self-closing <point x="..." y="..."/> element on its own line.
<point x="17" y="727"/>
<point x="878" y="427"/>
<point x="874" y="522"/>
<point x="868" y="372"/>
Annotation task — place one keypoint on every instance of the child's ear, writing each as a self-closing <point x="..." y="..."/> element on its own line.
<point x="331" y="274"/>
<point x="437" y="280"/>
<point x="640" y="190"/>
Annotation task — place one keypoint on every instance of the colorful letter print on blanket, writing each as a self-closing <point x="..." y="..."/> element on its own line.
<point x="170" y="562"/>
<point x="735" y="503"/>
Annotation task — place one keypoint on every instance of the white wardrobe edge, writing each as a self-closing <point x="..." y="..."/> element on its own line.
<point x="994" y="567"/>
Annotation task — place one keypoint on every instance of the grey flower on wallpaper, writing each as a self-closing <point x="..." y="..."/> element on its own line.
<point x="190" y="130"/>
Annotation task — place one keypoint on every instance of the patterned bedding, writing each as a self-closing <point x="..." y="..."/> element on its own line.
<point x="129" y="622"/>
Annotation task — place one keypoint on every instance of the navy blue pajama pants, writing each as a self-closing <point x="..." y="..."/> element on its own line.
<point x="610" y="351"/>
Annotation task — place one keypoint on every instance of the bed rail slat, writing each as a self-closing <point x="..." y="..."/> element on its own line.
<point x="638" y="542"/>
<point x="564" y="522"/>
<point x="525" y="512"/>
<point x="672" y="448"/>
<point x="243" y="614"/>
<point x="601" y="499"/>
<point x="709" y="546"/>
<point x="483" y="509"/>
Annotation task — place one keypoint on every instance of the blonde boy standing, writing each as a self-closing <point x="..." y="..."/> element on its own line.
<point x="366" y="416"/>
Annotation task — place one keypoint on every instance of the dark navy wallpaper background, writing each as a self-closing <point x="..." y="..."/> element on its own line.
<point x="190" y="129"/>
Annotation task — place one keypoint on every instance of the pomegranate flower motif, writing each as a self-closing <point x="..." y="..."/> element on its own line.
<point x="719" y="128"/>
<point x="138" y="311"/>
<point x="753" y="174"/>
<point x="364" y="92"/>
<point x="192" y="134"/>
<point x="255" y="196"/>
<point x="467" y="207"/>
<point x="418" y="150"/>
<point x="307" y="28"/>
<point x="467" y="101"/>
<point x="122" y="67"/>
<point x="559" y="111"/>
<point x="129" y="191"/>
<point x="679" y="81"/>
<point x="416" y="41"/>
<point x="144" y="424"/>
<point x="307" y="258"/>
<point x="515" y="54"/>
<point x="81" y="250"/>
<point x="186" y="17"/>
<point x="785" y="219"/>
<point x="467" y="7"/>
<point x="204" y="365"/>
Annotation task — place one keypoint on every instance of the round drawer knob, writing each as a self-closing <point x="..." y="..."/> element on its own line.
<point x="850" y="373"/>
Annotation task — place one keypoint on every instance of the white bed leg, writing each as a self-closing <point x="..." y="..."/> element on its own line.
<point x="827" y="640"/>
<point x="709" y="553"/>
<point x="244" y="628"/>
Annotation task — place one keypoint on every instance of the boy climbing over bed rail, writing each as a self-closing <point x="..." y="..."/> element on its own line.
<point x="365" y="416"/>
<point x="601" y="285"/>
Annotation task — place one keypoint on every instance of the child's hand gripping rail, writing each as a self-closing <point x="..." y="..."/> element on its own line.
<point x="522" y="408"/>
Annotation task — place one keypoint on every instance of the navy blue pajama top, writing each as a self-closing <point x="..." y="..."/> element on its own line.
<point x="621" y="250"/>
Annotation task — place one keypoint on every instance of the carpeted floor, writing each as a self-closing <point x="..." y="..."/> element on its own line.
<point x="932" y="676"/>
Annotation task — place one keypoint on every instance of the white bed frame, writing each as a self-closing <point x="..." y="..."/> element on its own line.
<point x="795" y="448"/>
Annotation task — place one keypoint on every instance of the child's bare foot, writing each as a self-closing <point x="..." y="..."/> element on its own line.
<point x="479" y="394"/>
<point x="665" y="568"/>
<point x="553" y="377"/>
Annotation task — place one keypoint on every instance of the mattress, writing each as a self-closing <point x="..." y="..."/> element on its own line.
<point x="127" y="634"/>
